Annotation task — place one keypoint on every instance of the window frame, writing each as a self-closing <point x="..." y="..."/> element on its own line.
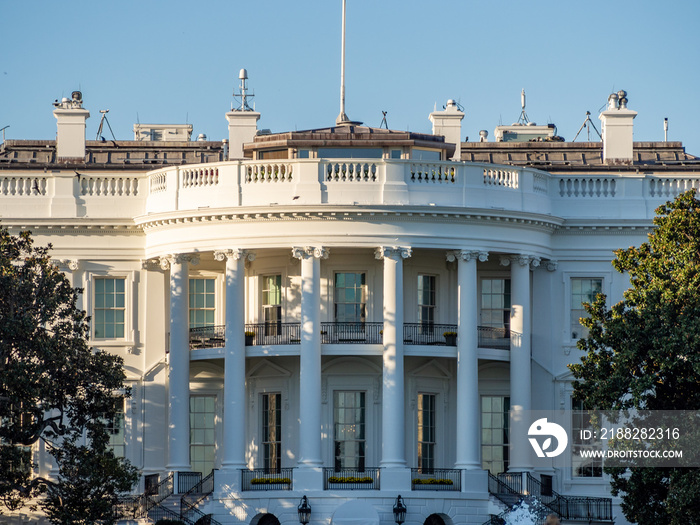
<point x="365" y="441"/>
<point x="567" y="277"/>
<point x="130" y="290"/>
<point x="263" y="436"/>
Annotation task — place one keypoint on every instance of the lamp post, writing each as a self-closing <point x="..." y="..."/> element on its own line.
<point x="399" y="511"/>
<point x="304" y="510"/>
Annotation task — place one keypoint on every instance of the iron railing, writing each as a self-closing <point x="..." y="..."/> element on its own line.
<point x="187" y="480"/>
<point x="490" y="337"/>
<point x="191" y="498"/>
<point x="429" y="334"/>
<point x="273" y="334"/>
<point x="436" y="479"/>
<point x="266" y="479"/>
<point x="207" y="337"/>
<point x="508" y="487"/>
<point x="351" y="333"/>
<point x="138" y="506"/>
<point x="351" y="479"/>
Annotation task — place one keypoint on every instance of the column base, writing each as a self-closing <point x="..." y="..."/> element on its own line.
<point x="307" y="478"/>
<point x="395" y="479"/>
<point x="227" y="482"/>
<point x="476" y="480"/>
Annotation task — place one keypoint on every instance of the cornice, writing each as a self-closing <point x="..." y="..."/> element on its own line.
<point x="437" y="215"/>
<point x="46" y="227"/>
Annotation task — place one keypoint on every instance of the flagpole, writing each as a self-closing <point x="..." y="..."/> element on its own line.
<point x="342" y="117"/>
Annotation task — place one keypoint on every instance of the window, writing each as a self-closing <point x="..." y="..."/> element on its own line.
<point x="202" y="302"/>
<point x="495" y="304"/>
<point x="202" y="441"/>
<point x="272" y="304"/>
<point x="350" y="153"/>
<point x="425" y="154"/>
<point x="272" y="432"/>
<point x="583" y="290"/>
<point x="115" y="429"/>
<point x="426" y="302"/>
<point x="350" y="305"/>
<point x="580" y="467"/>
<point x="495" y="433"/>
<point x="349" y="430"/>
<point x="426" y="433"/>
<point x="109" y="311"/>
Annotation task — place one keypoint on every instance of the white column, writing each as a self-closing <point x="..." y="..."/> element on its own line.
<point x="520" y="358"/>
<point x="310" y="357"/>
<point x="468" y="421"/>
<point x="179" y="368"/>
<point x="234" y="363"/>
<point x="393" y="424"/>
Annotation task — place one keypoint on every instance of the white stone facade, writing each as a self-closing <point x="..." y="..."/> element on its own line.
<point x="273" y="243"/>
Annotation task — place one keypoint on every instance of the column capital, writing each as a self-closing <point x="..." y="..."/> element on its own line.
<point x="466" y="255"/>
<point x="235" y="254"/>
<point x="307" y="252"/>
<point x="392" y="252"/>
<point x="166" y="261"/>
<point x="522" y="259"/>
<point x="551" y="265"/>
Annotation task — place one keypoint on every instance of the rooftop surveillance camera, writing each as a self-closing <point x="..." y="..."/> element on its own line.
<point x="77" y="95"/>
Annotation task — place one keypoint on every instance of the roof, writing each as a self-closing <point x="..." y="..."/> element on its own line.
<point x="120" y="154"/>
<point x="579" y="156"/>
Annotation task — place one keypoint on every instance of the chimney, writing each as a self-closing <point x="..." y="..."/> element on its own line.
<point x="449" y="124"/>
<point x="242" y="122"/>
<point x="242" y="127"/>
<point x="617" y="130"/>
<point x="70" y="124"/>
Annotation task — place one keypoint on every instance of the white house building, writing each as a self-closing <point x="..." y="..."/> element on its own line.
<point x="343" y="315"/>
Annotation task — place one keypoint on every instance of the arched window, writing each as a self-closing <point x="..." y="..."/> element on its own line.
<point x="434" y="519"/>
<point x="269" y="519"/>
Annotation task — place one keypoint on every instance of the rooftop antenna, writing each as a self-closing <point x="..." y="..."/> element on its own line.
<point x="587" y="124"/>
<point x="243" y="93"/>
<point x="103" y="119"/>
<point x="523" y="116"/>
<point x="3" y="133"/>
<point x="342" y="117"/>
<point x="665" y="131"/>
<point x="384" y="124"/>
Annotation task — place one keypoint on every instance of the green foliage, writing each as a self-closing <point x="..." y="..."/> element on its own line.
<point x="644" y="353"/>
<point x="53" y="387"/>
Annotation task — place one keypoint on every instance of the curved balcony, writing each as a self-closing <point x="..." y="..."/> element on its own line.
<point x="428" y="334"/>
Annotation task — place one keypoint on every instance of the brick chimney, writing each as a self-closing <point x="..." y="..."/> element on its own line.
<point x="617" y="130"/>
<point x="70" y="123"/>
<point x="448" y="123"/>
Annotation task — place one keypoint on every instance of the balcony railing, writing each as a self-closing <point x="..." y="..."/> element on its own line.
<point x="351" y="333"/>
<point x="436" y="479"/>
<point x="351" y="479"/>
<point x="348" y="333"/>
<point x="273" y="334"/>
<point x="207" y="337"/>
<point x="429" y="334"/>
<point x="490" y="337"/>
<point x="266" y="479"/>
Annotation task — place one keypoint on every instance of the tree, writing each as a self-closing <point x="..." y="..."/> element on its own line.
<point x="53" y="388"/>
<point x="644" y="353"/>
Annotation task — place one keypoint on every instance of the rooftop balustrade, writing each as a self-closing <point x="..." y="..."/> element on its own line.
<point x="253" y="183"/>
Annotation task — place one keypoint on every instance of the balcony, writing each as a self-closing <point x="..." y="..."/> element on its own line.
<point x="266" y="479"/>
<point x="369" y="333"/>
<point x="351" y="479"/>
<point x="352" y="333"/>
<point x="436" y="479"/>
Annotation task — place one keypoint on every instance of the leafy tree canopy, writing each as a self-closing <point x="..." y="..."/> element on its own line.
<point x="644" y="353"/>
<point x="53" y="388"/>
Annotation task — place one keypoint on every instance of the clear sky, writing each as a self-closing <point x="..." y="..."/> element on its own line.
<point x="177" y="62"/>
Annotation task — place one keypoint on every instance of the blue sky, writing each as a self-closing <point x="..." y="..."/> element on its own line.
<point x="175" y="62"/>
